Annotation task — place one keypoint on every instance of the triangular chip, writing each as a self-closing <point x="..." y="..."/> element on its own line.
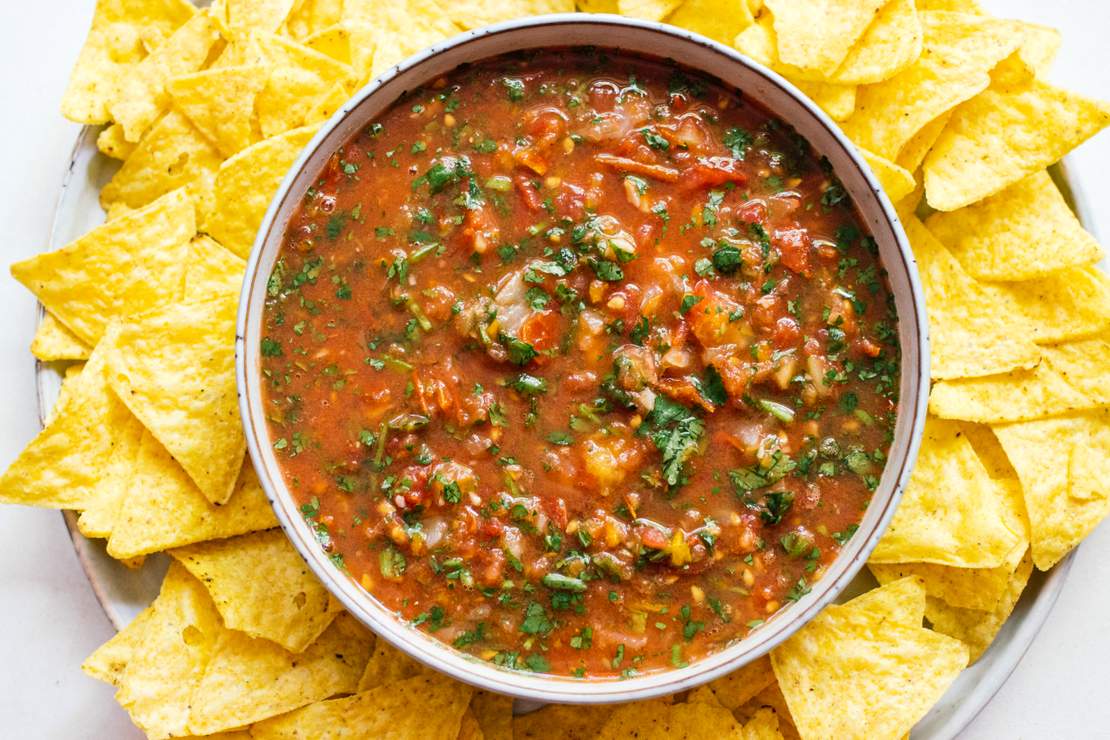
<point x="974" y="329"/>
<point x="816" y="35"/>
<point x="164" y="508"/>
<point x="494" y="713"/>
<point x="142" y="95"/>
<point x="311" y="16"/>
<point x="244" y="16"/>
<point x="109" y="661"/>
<point x="172" y="155"/>
<point x="720" y="20"/>
<point x="1024" y="232"/>
<point x="112" y="49"/>
<point x="913" y="151"/>
<point x="220" y="103"/>
<point x="175" y="369"/>
<point x="334" y="42"/>
<point x="111" y="143"/>
<point x="299" y="77"/>
<point x="658" y="720"/>
<point x="1068" y="304"/>
<point x="1015" y="128"/>
<point x="393" y="30"/>
<point x="896" y="181"/>
<point x="246" y="185"/>
<point x="130" y="265"/>
<point x="648" y="10"/>
<point x="561" y="722"/>
<point x="54" y="342"/>
<point x="891" y="43"/>
<point x="902" y="601"/>
<point x="739" y="687"/>
<point x="952" y="512"/>
<point x="213" y="271"/>
<point x="763" y="725"/>
<point x="425" y="707"/>
<point x="326" y="106"/>
<point x="387" y="665"/>
<point x="249" y="679"/>
<point x="98" y="517"/>
<point x="262" y="586"/>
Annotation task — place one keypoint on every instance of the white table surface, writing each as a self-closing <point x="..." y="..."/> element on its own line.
<point x="49" y="619"/>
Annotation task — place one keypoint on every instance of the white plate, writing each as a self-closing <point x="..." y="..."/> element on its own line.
<point x="123" y="592"/>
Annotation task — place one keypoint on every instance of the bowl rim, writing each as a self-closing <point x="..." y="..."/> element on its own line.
<point x="913" y="334"/>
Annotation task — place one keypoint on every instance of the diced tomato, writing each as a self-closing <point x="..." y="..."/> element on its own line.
<point x="527" y="191"/>
<point x="541" y="330"/>
<point x="570" y="202"/>
<point x="708" y="172"/>
<point x="794" y="248"/>
<point x="753" y="212"/>
<point x="787" y="333"/>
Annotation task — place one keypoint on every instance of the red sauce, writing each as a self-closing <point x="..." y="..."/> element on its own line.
<point x="582" y="363"/>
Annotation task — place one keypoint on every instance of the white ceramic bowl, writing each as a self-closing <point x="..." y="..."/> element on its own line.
<point x="734" y="70"/>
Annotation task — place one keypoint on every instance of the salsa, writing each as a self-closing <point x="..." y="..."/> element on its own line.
<point x="580" y="362"/>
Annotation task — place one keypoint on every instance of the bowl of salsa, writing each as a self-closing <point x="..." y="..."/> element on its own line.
<point x="582" y="358"/>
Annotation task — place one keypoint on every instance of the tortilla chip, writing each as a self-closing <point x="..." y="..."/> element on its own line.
<point x="1071" y="377"/>
<point x="891" y="43"/>
<point x="112" y="49"/>
<point x="246" y="185"/>
<point x="1066" y="305"/>
<point x="913" y="151"/>
<point x="468" y="14"/>
<point x="430" y="707"/>
<point x="764" y="725"/>
<point x="1063" y="466"/>
<point x="1026" y="231"/>
<point x="974" y="329"/>
<point x="1015" y="128"/>
<point x="249" y="680"/>
<point x="657" y="720"/>
<point x="469" y="729"/>
<point x="598" y="6"/>
<point x="1039" y="45"/>
<point x="244" y="16"/>
<point x="98" y="517"/>
<point x="971" y="7"/>
<point x="110" y="660"/>
<point x="175" y="369"/>
<point x="54" y="342"/>
<point x="312" y="16"/>
<point x="175" y="644"/>
<point x="853" y="667"/>
<point x="164" y="509"/>
<point x="172" y="155"/>
<point x="816" y="35"/>
<point x="959" y="52"/>
<point x="213" y="271"/>
<point x="648" y="10"/>
<point x="142" y="96"/>
<point x="952" y="512"/>
<point x="299" y="77"/>
<point x="737" y="688"/>
<point x="262" y="587"/>
<point x="770" y="698"/>
<point x="720" y="20"/>
<point x="124" y="267"/>
<point x="326" y="106"/>
<point x="111" y="143"/>
<point x="334" y="42"/>
<point x="562" y="722"/>
<point x="901" y="601"/>
<point x="978" y="628"/>
<point x="220" y="103"/>
<point x="839" y="101"/>
<point x="494" y="714"/>
<point x="65" y="392"/>
<point x="393" y="30"/>
<point x="388" y="665"/>
<point x="896" y="181"/>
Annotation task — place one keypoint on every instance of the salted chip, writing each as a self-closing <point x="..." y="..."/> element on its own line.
<point x="913" y="151"/>
<point x="98" y="517"/>
<point x="1039" y="45"/>
<point x="720" y="20"/>
<point x="739" y="687"/>
<point x="220" y="103"/>
<point x="111" y="143"/>
<point x="388" y="665"/>
<point x="249" y="679"/>
<point x="816" y="35"/>
<point x="129" y="265"/>
<point x="978" y="628"/>
<point x="246" y="185"/>
<point x="970" y="7"/>
<point x="112" y="48"/>
<point x="468" y="14"/>
<point x="262" y="586"/>
<point x="54" y="342"/>
<point x="648" y="10"/>
<point x="326" y="106"/>
<point x="851" y="668"/>
<point x="562" y="722"/>
<point x="657" y="720"/>
<point x="299" y="77"/>
<point x="1025" y="231"/>
<point x="110" y="660"/>
<point x="598" y="6"/>
<point x="892" y="42"/>
<point x="172" y="155"/>
<point x="393" y="30"/>
<point x="839" y="101"/>
<point x="244" y="16"/>
<point x="171" y="649"/>
<point x="334" y="41"/>
<point x="65" y="391"/>
<point x="763" y="725"/>
<point x="952" y="512"/>
<point x="312" y="16"/>
<point x="213" y="271"/>
<point x="424" y="707"/>
<point x="974" y="329"/>
<point x="142" y="94"/>
<point x="164" y="509"/>
<point x="1071" y="377"/>
<point x="896" y="181"/>
<point x="1057" y="460"/>
<point x="958" y="53"/>
<point x="1017" y="127"/>
<point x="770" y="698"/>
<point x="901" y="601"/>
<point x="1065" y="305"/>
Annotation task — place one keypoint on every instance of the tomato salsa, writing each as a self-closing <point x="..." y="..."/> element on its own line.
<point x="580" y="362"/>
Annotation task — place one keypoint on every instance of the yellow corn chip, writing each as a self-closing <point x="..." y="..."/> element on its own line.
<point x="326" y="106"/>
<point x="1015" y="128"/>
<point x="388" y="665"/>
<point x="896" y="181"/>
<point x="720" y="20"/>
<point x="142" y="95"/>
<point x="740" y="686"/>
<point x="974" y="329"/>
<point x="901" y="601"/>
<point x="891" y="43"/>
<point x="126" y="266"/>
<point x="430" y="707"/>
<point x="839" y="101"/>
<point x="816" y="35"/>
<point x="852" y="668"/>
<point x="494" y="714"/>
<point x="54" y="342"/>
<point x="109" y="661"/>
<point x="913" y="151"/>
<point x="764" y="725"/>
<point x="649" y="10"/>
<point x="213" y="271"/>
<point x="955" y="6"/>
<point x="1068" y="304"/>
<point x="98" y="517"/>
<point x="112" y="49"/>
<point x="312" y="16"/>
<point x="1039" y="45"/>
<point x="220" y="103"/>
<point x="299" y="77"/>
<point x="978" y="628"/>
<point x="172" y="647"/>
<point x="469" y="729"/>
<point x="952" y="513"/>
<point x="598" y="6"/>
<point x="65" y="392"/>
<point x="392" y="30"/>
<point x="172" y="155"/>
<point x="561" y="722"/>
<point x="959" y="52"/>
<point x="164" y="509"/>
<point x="244" y="16"/>
<point x="262" y="587"/>
<point x="249" y="679"/>
<point x="468" y="14"/>
<point x="1071" y="377"/>
<point x="1024" y="232"/>
<point x="175" y="369"/>
<point x="111" y="143"/>
<point x="657" y="720"/>
<point x="770" y="698"/>
<point x="247" y="183"/>
<point x="334" y="42"/>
